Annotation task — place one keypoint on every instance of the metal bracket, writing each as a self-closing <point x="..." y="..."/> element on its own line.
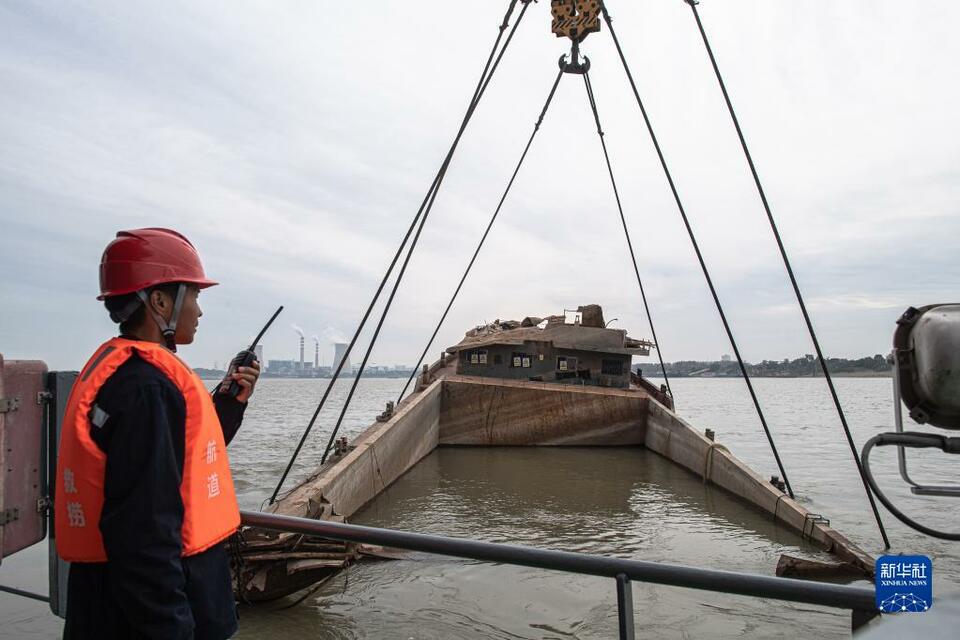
<point x="9" y="515"/>
<point x="44" y="504"/>
<point x="44" y="397"/>
<point x="578" y="68"/>
<point x="814" y="519"/>
<point x="9" y="404"/>
<point x="895" y="359"/>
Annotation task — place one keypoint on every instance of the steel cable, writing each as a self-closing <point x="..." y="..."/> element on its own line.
<point x="481" y="86"/>
<point x="443" y="171"/>
<point x="789" y="268"/>
<point x="536" y="128"/>
<point x="623" y="219"/>
<point x="696" y="248"/>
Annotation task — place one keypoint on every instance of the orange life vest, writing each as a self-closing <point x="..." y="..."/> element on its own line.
<point x="210" y="512"/>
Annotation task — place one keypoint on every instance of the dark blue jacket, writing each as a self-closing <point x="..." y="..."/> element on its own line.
<point x="146" y="589"/>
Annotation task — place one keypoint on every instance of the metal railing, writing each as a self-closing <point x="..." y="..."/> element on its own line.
<point x="860" y="600"/>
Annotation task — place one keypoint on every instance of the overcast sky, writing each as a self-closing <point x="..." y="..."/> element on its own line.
<point x="293" y="142"/>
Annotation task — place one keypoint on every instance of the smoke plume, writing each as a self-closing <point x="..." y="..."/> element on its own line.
<point x="330" y="334"/>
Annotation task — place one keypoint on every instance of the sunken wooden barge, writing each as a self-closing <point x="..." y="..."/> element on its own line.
<point x="558" y="381"/>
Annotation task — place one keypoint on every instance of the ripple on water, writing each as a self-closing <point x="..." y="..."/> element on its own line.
<point x="627" y="503"/>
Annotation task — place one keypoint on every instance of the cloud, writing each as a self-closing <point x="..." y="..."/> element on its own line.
<point x="296" y="164"/>
<point x="844" y="302"/>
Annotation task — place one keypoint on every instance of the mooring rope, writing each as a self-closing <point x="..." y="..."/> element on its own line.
<point x="789" y="268"/>
<point x="696" y="248"/>
<point x="488" y="69"/>
<point x="626" y="232"/>
<point x="523" y="156"/>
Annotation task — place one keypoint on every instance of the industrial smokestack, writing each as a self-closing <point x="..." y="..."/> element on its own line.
<point x="300" y="332"/>
<point x="316" y="352"/>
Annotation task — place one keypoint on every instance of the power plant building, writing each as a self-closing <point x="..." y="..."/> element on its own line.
<point x="282" y="367"/>
<point x="339" y="351"/>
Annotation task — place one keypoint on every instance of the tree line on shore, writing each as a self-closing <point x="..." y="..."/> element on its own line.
<point x="806" y="366"/>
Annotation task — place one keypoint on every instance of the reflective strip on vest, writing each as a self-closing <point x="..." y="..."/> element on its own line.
<point x="210" y="512"/>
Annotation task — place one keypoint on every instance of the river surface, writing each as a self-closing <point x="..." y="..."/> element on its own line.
<point x="622" y="502"/>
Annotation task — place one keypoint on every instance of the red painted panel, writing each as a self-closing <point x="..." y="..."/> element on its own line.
<point x="21" y="456"/>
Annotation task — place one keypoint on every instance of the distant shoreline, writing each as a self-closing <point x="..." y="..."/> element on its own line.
<point x="875" y="366"/>
<point x="808" y="366"/>
<point x="837" y="374"/>
<point x="656" y="374"/>
<point x="208" y="374"/>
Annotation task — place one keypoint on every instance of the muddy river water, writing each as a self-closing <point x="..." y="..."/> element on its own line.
<point x="622" y="502"/>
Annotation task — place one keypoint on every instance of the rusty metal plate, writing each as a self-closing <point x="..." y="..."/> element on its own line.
<point x="575" y="19"/>
<point x="22" y="472"/>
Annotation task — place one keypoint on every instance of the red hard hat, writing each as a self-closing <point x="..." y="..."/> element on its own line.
<point x="143" y="258"/>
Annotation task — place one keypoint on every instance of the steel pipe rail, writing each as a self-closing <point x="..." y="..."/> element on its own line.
<point x="24" y="594"/>
<point x="859" y="599"/>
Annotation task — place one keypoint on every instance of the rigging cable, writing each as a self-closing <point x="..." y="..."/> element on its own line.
<point x="481" y="86"/>
<point x="696" y="248"/>
<point x="416" y="238"/>
<point x="536" y="128"/>
<point x="623" y="219"/>
<point x="789" y="268"/>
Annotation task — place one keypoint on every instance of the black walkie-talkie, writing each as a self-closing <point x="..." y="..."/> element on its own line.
<point x="245" y="358"/>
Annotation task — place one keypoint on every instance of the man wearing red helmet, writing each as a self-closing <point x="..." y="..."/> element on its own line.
<point x="144" y="499"/>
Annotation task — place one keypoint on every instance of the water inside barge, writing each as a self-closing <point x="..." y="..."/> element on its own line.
<point x="555" y="381"/>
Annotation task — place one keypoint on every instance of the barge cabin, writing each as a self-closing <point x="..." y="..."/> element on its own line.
<point x="574" y="348"/>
